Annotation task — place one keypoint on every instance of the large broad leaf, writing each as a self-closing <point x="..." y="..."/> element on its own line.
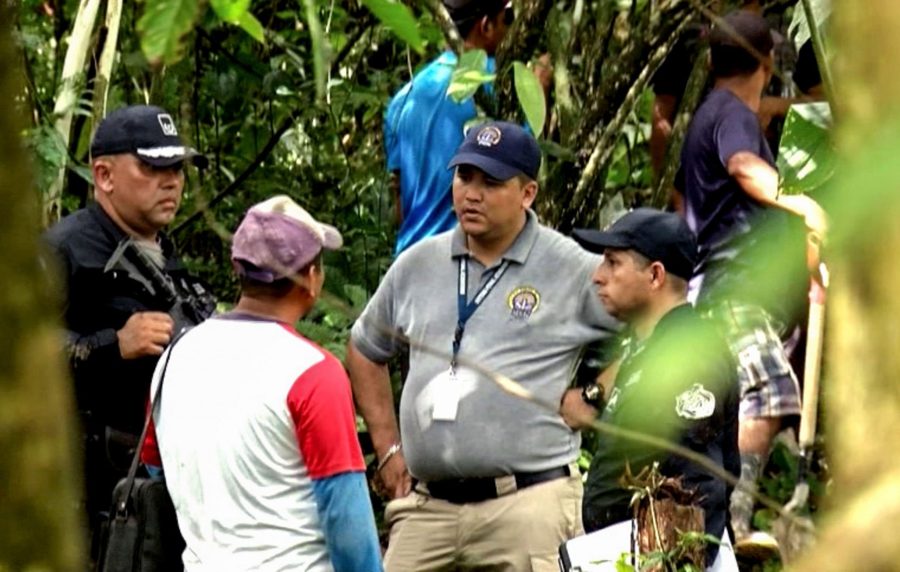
<point x="469" y="75"/>
<point x="397" y="18"/>
<point x="799" y="28"/>
<point x="806" y="156"/>
<point x="531" y="97"/>
<point x="163" y="26"/>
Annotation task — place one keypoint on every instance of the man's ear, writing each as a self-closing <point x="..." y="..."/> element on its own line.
<point x="529" y="191"/>
<point x="657" y="274"/>
<point x="102" y="171"/>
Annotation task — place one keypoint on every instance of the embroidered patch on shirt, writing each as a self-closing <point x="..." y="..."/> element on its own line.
<point x="695" y="403"/>
<point x="523" y="302"/>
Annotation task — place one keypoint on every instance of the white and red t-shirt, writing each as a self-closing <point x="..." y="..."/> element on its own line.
<point x="250" y="413"/>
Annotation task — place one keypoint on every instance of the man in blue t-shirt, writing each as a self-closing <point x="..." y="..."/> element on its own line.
<point x="729" y="186"/>
<point x="423" y="127"/>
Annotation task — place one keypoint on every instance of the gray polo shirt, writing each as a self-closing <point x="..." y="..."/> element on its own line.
<point x="531" y="327"/>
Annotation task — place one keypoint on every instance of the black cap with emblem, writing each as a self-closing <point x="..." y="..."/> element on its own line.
<point x="146" y="131"/>
<point x="500" y="149"/>
<point x="655" y="234"/>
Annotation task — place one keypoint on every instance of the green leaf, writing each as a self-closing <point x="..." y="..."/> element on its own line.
<point x="163" y="26"/>
<point x="252" y="26"/>
<point x="799" y="27"/>
<point x="397" y="18"/>
<point x="469" y="75"/>
<point x="806" y="158"/>
<point x="230" y="11"/>
<point x="531" y="97"/>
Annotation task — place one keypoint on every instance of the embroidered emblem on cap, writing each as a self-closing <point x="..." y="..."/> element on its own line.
<point x="489" y="136"/>
<point x="523" y="302"/>
<point x="168" y="126"/>
<point x="695" y="403"/>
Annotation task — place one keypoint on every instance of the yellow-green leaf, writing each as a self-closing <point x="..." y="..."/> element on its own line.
<point x="531" y="97"/>
<point x="252" y="26"/>
<point x="230" y="11"/>
<point x="163" y="26"/>
<point x="397" y="18"/>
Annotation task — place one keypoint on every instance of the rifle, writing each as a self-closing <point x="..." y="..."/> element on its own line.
<point x="187" y="306"/>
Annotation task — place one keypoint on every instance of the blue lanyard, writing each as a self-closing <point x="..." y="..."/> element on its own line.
<point x="466" y="309"/>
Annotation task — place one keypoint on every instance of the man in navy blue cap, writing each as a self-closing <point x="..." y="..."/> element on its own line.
<point x="118" y="313"/>
<point x="482" y="480"/>
<point x="675" y="379"/>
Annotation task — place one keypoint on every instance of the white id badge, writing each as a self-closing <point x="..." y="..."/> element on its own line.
<point x="446" y="394"/>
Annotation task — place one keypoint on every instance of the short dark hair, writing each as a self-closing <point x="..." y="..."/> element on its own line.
<point x="278" y="288"/>
<point x="465" y="14"/>
<point x="730" y="39"/>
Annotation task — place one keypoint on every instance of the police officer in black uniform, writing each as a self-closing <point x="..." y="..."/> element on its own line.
<point x="676" y="379"/>
<point x="127" y="294"/>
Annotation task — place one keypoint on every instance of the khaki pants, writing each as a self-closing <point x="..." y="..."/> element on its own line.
<point x="519" y="532"/>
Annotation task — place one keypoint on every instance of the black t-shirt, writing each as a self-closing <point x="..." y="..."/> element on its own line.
<point x="718" y="211"/>
<point x="680" y="384"/>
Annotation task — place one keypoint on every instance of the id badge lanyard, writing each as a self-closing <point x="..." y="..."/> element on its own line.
<point x="466" y="309"/>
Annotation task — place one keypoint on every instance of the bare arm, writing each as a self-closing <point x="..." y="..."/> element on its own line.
<point x="394" y="184"/>
<point x="371" y="385"/>
<point x="661" y="129"/>
<point x="759" y="180"/>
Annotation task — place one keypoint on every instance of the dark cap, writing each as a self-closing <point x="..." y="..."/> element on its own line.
<point x="462" y="10"/>
<point x="658" y="235"/>
<point x="500" y="149"/>
<point x="145" y="131"/>
<point x="277" y="238"/>
<point x="740" y="28"/>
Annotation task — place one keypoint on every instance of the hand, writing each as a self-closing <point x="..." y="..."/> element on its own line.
<point x="393" y="480"/>
<point x="145" y="334"/>
<point x="575" y="412"/>
<point x="813" y="215"/>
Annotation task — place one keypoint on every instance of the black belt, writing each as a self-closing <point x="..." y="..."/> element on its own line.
<point x="463" y="491"/>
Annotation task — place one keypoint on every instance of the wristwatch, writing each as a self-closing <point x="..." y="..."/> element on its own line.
<point x="593" y="395"/>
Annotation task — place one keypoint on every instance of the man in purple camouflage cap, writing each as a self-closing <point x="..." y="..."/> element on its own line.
<point x="256" y="430"/>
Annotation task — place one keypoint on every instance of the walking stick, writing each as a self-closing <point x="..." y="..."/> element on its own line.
<point x="798" y="539"/>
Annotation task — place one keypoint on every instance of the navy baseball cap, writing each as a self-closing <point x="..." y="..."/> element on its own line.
<point x="145" y="131"/>
<point x="500" y="149"/>
<point x="658" y="235"/>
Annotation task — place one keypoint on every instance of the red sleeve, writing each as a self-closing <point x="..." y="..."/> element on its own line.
<point x="321" y="406"/>
<point x="150" y="448"/>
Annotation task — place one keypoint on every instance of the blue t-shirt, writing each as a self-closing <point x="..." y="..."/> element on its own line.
<point x="422" y="129"/>
<point x="717" y="209"/>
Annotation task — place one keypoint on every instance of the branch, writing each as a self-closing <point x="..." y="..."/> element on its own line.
<point x="442" y="17"/>
<point x="270" y="145"/>
<point x="693" y="92"/>
<point x="107" y="56"/>
<point x="605" y="146"/>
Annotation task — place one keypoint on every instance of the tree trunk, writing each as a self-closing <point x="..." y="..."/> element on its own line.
<point x="863" y="396"/>
<point x="39" y="516"/>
